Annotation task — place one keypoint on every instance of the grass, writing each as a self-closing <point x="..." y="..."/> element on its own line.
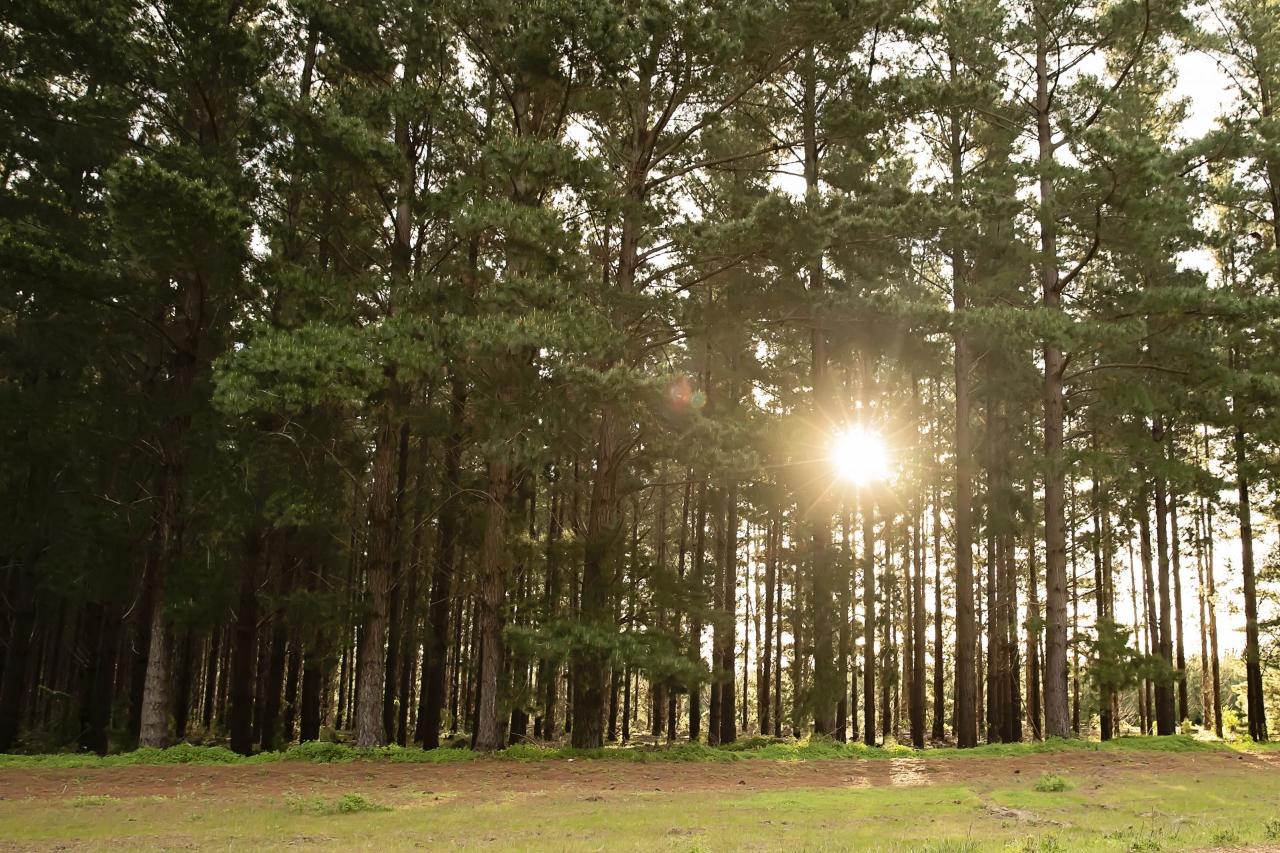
<point x="1052" y="783"/>
<point x="91" y="800"/>
<point x="345" y="804"/>
<point x="1127" y="809"/>
<point x="812" y="749"/>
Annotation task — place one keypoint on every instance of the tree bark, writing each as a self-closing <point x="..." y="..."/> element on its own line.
<point x="244" y="646"/>
<point x="1252" y="657"/>
<point x="372" y="654"/>
<point x="1057" y="711"/>
<point x="966" y="685"/>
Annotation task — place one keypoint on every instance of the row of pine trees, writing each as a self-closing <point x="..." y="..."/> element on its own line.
<point x="390" y="370"/>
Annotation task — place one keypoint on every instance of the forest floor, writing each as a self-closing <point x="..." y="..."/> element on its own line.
<point x="1128" y="800"/>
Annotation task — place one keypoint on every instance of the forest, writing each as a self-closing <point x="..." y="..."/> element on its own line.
<point x="476" y="373"/>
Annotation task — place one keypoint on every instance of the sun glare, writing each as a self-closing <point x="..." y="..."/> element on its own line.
<point x="858" y="455"/>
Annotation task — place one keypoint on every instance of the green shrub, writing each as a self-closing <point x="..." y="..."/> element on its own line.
<point x="1271" y="829"/>
<point x="320" y="752"/>
<point x="1226" y="835"/>
<point x="752" y="743"/>
<point x="346" y="804"/>
<point x="183" y="753"/>
<point x="1052" y="783"/>
<point x="351" y="803"/>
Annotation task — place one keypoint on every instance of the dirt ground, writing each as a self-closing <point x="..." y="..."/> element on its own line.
<point x="585" y="777"/>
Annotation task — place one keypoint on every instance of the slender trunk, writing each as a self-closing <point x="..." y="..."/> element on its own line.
<point x="276" y="661"/>
<point x="715" y="694"/>
<point x="1104" y="600"/>
<point x="589" y="664"/>
<point x="612" y="733"/>
<point x="372" y="653"/>
<point x="1202" y="596"/>
<point x="1034" y="628"/>
<point x="728" y="716"/>
<point x="95" y="706"/>
<point x="435" y="652"/>
<point x="244" y="652"/>
<point x="1211" y="588"/>
<point x="1149" y="592"/>
<point x="939" y="662"/>
<point x="395" y="595"/>
<point x="869" y="619"/>
<point x="549" y="668"/>
<point x="826" y="690"/>
<point x="798" y="657"/>
<point x="918" y="639"/>
<point x="844" y="604"/>
<point x="777" y="649"/>
<point x="695" y="627"/>
<point x="763" y="700"/>
<point x="1166" y="713"/>
<point x="1138" y="635"/>
<point x="1252" y="657"/>
<point x="1180" y="654"/>
<point x="22" y="626"/>
<point x="1056" y="706"/>
<point x="966" y="684"/>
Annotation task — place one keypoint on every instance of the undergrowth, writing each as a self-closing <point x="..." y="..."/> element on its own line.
<point x="754" y="748"/>
<point x="1052" y="783"/>
<point x="346" y="804"/>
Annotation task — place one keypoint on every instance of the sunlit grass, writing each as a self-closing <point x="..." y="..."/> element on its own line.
<point x="1129" y="810"/>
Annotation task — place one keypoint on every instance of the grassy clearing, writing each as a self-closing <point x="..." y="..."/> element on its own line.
<point x="1129" y="810"/>
<point x="747" y="749"/>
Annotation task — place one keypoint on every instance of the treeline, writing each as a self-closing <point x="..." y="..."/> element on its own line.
<point x="473" y="366"/>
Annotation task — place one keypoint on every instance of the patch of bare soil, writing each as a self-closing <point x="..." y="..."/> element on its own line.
<point x="598" y="778"/>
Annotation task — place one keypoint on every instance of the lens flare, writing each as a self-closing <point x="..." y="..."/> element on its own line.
<point x="858" y="455"/>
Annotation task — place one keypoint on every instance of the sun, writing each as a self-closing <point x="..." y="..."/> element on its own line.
<point x="858" y="455"/>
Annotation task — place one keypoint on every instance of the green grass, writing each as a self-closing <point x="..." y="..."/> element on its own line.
<point x="1126" y="809"/>
<point x="1052" y="783"/>
<point x="345" y="804"/>
<point x="755" y="748"/>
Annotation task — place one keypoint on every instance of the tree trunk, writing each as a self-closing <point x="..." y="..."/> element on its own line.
<point x="18" y="647"/>
<point x="918" y="639"/>
<point x="966" y="684"/>
<point x="763" y="699"/>
<point x="728" y="617"/>
<point x="492" y="587"/>
<point x="371" y="663"/>
<point x="244" y="647"/>
<point x="275" y="668"/>
<point x="436" y="648"/>
<point x="1166" y="714"/>
<point x="1180" y="654"/>
<point x="395" y="589"/>
<point x="1057" y="711"/>
<point x="1034" y="682"/>
<point x="867" y="506"/>
<point x="1252" y="657"/>
<point x="695" y="620"/>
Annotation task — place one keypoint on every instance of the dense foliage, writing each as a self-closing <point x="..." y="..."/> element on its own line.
<point x="389" y="370"/>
